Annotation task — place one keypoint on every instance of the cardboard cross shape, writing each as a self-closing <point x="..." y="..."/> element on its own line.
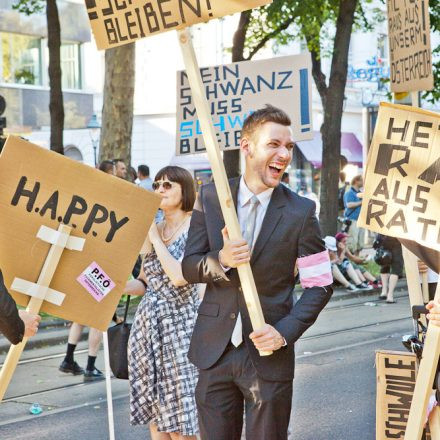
<point x="402" y="193"/>
<point x="118" y="22"/>
<point x="236" y="90"/>
<point x="409" y="45"/>
<point x="109" y="220"/>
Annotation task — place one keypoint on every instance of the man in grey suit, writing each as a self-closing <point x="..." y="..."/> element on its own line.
<point x="282" y="233"/>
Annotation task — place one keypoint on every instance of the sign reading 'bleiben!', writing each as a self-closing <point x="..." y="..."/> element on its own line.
<point x="118" y="22"/>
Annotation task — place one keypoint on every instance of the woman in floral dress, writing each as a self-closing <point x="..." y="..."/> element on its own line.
<point x="162" y="380"/>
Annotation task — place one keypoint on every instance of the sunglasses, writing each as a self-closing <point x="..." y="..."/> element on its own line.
<point x="164" y="183"/>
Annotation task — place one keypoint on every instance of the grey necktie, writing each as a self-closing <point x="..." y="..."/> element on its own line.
<point x="249" y="236"/>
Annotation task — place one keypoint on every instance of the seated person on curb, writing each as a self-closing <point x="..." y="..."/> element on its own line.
<point x="15" y="324"/>
<point x="330" y="244"/>
<point x="344" y="253"/>
<point x="346" y="267"/>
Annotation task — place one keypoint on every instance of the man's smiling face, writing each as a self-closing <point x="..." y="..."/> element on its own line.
<point x="268" y="152"/>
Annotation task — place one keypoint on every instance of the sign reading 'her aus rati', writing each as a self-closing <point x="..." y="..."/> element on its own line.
<point x="236" y="90"/>
<point x="402" y="188"/>
<point x="118" y="22"/>
<point x="41" y="188"/>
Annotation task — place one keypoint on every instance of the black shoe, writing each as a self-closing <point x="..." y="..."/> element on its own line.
<point x="71" y="367"/>
<point x="91" y="375"/>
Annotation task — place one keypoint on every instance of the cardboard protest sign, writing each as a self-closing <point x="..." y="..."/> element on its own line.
<point x="236" y="90"/>
<point x="410" y="45"/>
<point x="401" y="191"/>
<point x="41" y="188"/>
<point x="118" y="22"/>
<point x="396" y="378"/>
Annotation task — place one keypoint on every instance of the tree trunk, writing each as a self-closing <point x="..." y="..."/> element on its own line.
<point x="231" y="158"/>
<point x="117" y="111"/>
<point x="333" y="109"/>
<point x="56" y="106"/>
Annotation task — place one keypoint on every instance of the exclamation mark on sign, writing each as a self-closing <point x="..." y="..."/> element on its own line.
<point x="91" y="4"/>
<point x="208" y="4"/>
<point x="423" y="23"/>
<point x="304" y="100"/>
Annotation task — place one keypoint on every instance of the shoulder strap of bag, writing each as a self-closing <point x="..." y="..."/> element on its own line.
<point x="127" y="304"/>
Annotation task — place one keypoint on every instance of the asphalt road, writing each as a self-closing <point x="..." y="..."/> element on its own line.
<point x="334" y="387"/>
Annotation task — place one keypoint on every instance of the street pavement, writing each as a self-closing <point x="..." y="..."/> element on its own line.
<point x="334" y="387"/>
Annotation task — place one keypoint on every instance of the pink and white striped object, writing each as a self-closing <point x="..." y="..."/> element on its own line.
<point x="315" y="270"/>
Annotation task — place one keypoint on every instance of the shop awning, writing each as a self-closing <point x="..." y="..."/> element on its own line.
<point x="351" y="148"/>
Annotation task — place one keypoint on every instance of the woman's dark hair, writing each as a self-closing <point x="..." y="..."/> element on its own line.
<point x="106" y="166"/>
<point x="184" y="179"/>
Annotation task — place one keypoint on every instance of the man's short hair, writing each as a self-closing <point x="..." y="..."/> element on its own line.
<point x="267" y="114"/>
<point x="144" y="170"/>
<point x="356" y="179"/>
<point x="115" y="161"/>
<point x="106" y="166"/>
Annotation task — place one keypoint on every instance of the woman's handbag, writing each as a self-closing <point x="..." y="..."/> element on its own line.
<point x="383" y="257"/>
<point x="117" y="343"/>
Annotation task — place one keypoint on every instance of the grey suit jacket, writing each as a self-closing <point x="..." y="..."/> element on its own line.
<point x="290" y="230"/>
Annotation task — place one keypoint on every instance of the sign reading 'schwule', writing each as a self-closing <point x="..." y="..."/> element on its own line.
<point x="402" y="188"/>
<point x="118" y="22"/>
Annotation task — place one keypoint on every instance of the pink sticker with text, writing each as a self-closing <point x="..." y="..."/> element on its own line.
<point x="96" y="282"/>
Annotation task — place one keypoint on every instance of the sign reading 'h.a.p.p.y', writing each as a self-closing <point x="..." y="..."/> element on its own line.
<point x="410" y="45"/>
<point x="236" y="90"/>
<point x="402" y="188"/>
<point x="39" y="190"/>
<point x="118" y="22"/>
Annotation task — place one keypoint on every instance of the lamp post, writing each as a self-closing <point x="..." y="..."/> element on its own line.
<point x="94" y="129"/>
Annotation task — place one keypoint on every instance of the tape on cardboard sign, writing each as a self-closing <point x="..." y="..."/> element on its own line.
<point x="60" y="239"/>
<point x="35" y="290"/>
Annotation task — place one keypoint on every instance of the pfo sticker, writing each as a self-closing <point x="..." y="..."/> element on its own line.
<point x="96" y="282"/>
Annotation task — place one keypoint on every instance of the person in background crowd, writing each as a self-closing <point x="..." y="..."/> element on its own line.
<point x="352" y="210"/>
<point x="280" y="230"/>
<point x="132" y="174"/>
<point x="432" y="278"/>
<point x="390" y="273"/>
<point x="143" y="175"/>
<point x="344" y="253"/>
<point x="306" y="191"/>
<point x="162" y="380"/>
<point x="330" y="244"/>
<point x="120" y="168"/>
<point x="69" y="365"/>
<point x="15" y="324"/>
<point x="107" y="166"/>
<point x="285" y="180"/>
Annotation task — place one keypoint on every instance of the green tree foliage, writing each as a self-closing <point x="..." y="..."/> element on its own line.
<point x="434" y="13"/>
<point x="325" y="27"/>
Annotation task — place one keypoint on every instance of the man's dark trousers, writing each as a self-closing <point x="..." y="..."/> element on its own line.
<point x="220" y="393"/>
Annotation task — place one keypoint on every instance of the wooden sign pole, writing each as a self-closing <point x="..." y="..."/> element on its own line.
<point x="427" y="367"/>
<point x="44" y="280"/>
<point x="218" y="171"/>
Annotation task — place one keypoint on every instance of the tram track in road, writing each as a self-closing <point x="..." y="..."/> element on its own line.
<point x="350" y="329"/>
